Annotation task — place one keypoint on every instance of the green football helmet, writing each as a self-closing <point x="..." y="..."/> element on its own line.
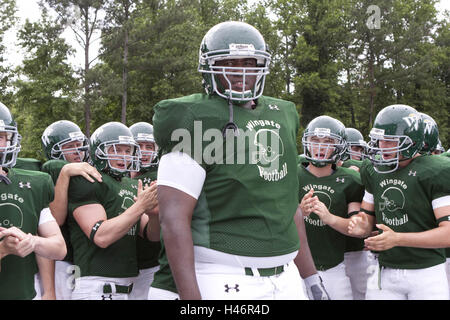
<point x="103" y="149"/>
<point x="431" y="134"/>
<point x="395" y="123"/>
<point x="143" y="132"/>
<point x="8" y="153"/>
<point x="59" y="133"/>
<point x="354" y="139"/>
<point x="324" y="127"/>
<point x="233" y="40"/>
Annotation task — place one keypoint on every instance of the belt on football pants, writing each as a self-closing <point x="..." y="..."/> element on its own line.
<point x="108" y="288"/>
<point x="265" y="272"/>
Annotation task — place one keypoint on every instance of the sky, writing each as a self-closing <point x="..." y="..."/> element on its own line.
<point x="29" y="9"/>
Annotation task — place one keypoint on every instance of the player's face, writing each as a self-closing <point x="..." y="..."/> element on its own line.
<point x="146" y="148"/>
<point x="357" y="150"/>
<point x="116" y="151"/>
<point x="436" y="152"/>
<point x="3" y="139"/>
<point x="388" y="145"/>
<point x="237" y="81"/>
<point x="321" y="148"/>
<point x="71" y="155"/>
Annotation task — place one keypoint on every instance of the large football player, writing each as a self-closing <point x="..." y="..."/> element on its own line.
<point x="27" y="227"/>
<point x="227" y="192"/>
<point x="147" y="251"/>
<point x="66" y="149"/>
<point x="408" y="196"/>
<point x="105" y="218"/>
<point x="329" y="195"/>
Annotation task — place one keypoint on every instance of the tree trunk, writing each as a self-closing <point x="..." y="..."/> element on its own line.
<point x="125" y="69"/>
<point x="87" y="103"/>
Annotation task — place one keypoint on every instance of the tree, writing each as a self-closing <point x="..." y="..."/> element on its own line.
<point x="7" y="20"/>
<point x="46" y="88"/>
<point x="82" y="16"/>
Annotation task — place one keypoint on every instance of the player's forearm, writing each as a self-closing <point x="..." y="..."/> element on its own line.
<point x="435" y="238"/>
<point x="339" y="224"/>
<point x="153" y="228"/>
<point x="58" y="206"/>
<point x="52" y="247"/>
<point x="47" y="274"/>
<point x="304" y="260"/>
<point x="116" y="228"/>
<point x="180" y="252"/>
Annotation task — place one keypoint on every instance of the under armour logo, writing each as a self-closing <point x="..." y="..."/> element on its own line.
<point x="340" y="180"/>
<point x="106" y="297"/>
<point x="412" y="173"/>
<point x="147" y="181"/>
<point x="228" y="288"/>
<point x="273" y="107"/>
<point x="28" y="185"/>
<point x="95" y="227"/>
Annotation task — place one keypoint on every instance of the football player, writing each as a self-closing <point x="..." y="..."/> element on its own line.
<point x="357" y="262"/>
<point x="147" y="251"/>
<point x="105" y="218"/>
<point x="408" y="196"/>
<point x="27" y="227"/>
<point x="329" y="195"/>
<point x="66" y="149"/>
<point x="227" y="192"/>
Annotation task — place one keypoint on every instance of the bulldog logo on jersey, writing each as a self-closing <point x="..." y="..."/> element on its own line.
<point x="10" y="216"/>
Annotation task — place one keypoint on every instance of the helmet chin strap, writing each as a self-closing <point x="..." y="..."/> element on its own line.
<point x="230" y="125"/>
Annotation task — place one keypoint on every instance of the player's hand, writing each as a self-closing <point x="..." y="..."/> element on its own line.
<point x="315" y="288"/>
<point x="319" y="208"/>
<point x="17" y="242"/>
<point x="358" y="225"/>
<point x="48" y="296"/>
<point x="146" y="196"/>
<point x="82" y="169"/>
<point x="306" y="205"/>
<point x="384" y="241"/>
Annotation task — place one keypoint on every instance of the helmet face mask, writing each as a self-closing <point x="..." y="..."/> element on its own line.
<point x="324" y="141"/>
<point x="231" y="41"/>
<point x="11" y="137"/>
<point x="121" y="156"/>
<point x="397" y="135"/>
<point x="143" y="135"/>
<point x="114" y="150"/>
<point x="10" y="149"/>
<point x="355" y="139"/>
<point x="64" y="138"/>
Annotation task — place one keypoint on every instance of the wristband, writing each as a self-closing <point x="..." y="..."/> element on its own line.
<point x="370" y="213"/>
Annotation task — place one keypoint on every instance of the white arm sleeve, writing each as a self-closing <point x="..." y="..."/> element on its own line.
<point x="180" y="171"/>
<point x="46" y="216"/>
<point x="368" y="197"/>
<point x="441" y="202"/>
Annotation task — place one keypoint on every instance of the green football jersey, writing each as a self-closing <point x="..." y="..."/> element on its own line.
<point x="28" y="164"/>
<point x="53" y="168"/>
<point x="352" y="243"/>
<point x="336" y="191"/>
<point x="403" y="203"/>
<point x="147" y="251"/>
<point x="350" y="162"/>
<point x="21" y="203"/>
<point x="445" y="154"/>
<point x="119" y="259"/>
<point x="249" y="196"/>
